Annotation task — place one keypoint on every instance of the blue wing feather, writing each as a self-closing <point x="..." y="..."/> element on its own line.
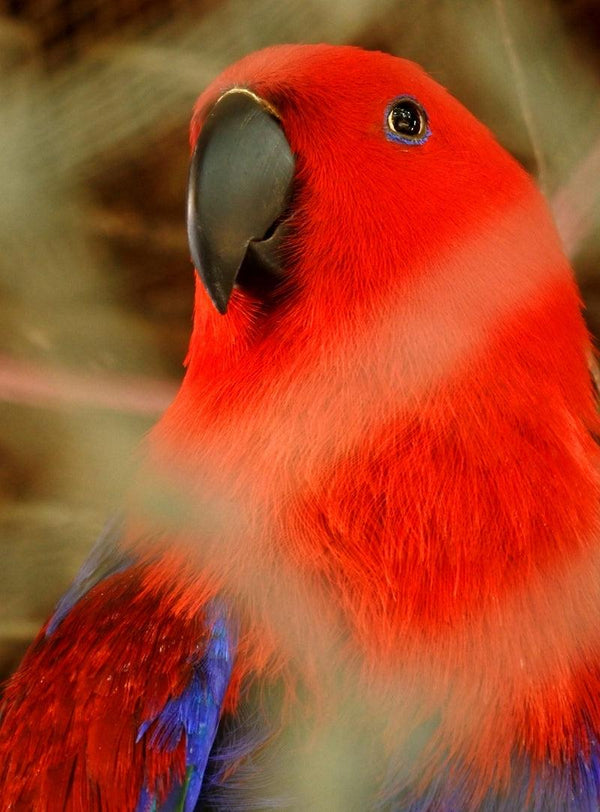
<point x="195" y="713"/>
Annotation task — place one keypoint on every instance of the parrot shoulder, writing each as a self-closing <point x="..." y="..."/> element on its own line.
<point x="133" y="684"/>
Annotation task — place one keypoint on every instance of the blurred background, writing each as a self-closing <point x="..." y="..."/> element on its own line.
<point x="95" y="280"/>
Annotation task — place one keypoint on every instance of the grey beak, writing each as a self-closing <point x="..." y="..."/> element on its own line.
<point x="240" y="184"/>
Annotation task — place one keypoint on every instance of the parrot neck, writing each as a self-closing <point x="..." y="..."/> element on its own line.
<point x="449" y="528"/>
<point x="433" y="495"/>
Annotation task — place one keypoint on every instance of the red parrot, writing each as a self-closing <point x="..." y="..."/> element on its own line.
<point x="360" y="567"/>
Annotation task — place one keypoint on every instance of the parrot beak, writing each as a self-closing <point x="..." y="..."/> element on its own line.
<point x="240" y="185"/>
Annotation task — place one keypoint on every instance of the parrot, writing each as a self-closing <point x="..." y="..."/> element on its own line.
<point x="359" y="564"/>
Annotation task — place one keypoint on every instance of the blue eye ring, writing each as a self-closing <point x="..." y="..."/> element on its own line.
<point x="406" y="121"/>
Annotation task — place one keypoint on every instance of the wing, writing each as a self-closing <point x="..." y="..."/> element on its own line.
<point x="193" y="716"/>
<point x="117" y="703"/>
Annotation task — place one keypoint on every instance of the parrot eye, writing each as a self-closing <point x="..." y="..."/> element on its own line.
<point x="406" y="121"/>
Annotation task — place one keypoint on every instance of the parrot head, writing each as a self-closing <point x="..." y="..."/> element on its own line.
<point x="328" y="177"/>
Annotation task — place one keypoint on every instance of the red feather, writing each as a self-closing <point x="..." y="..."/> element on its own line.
<point x="73" y="710"/>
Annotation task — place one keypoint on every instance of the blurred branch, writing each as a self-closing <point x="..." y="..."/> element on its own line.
<point x="35" y="385"/>
<point x="521" y="88"/>
<point x="576" y="203"/>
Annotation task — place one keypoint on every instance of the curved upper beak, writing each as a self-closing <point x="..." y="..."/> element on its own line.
<point x="240" y="184"/>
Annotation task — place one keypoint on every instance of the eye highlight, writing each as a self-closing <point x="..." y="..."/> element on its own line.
<point x="406" y="121"/>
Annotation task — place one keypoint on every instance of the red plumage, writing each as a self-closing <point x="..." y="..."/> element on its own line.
<point x="390" y="468"/>
<point x="73" y="710"/>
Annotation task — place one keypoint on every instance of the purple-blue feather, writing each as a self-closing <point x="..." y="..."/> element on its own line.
<point x="195" y="713"/>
